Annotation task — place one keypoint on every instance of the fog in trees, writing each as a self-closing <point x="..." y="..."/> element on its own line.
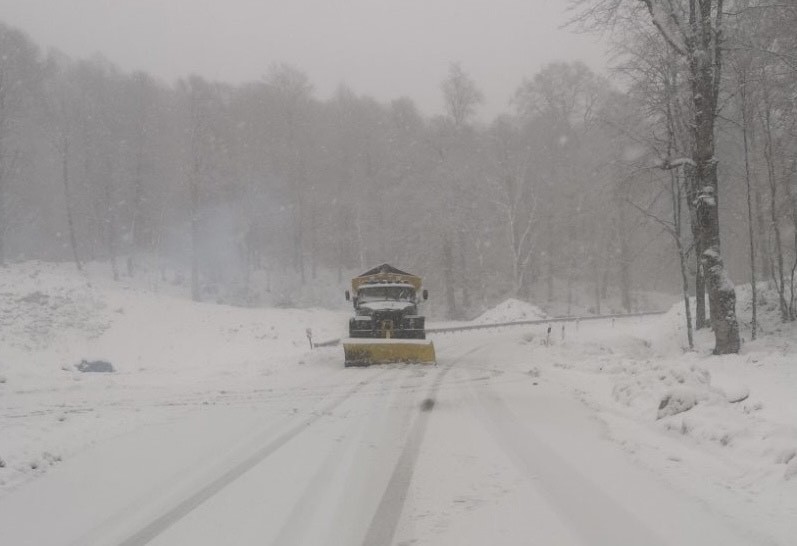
<point x="587" y="193"/>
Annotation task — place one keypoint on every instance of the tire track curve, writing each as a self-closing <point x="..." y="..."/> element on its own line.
<point x="592" y="514"/>
<point x="157" y="526"/>
<point x="320" y="489"/>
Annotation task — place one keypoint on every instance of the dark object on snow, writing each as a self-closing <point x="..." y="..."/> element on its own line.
<point x="95" y="366"/>
<point x="428" y="404"/>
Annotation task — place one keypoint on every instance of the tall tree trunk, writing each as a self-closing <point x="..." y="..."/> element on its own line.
<point x="549" y="256"/>
<point x="792" y="189"/>
<point x="314" y="244"/>
<point x="195" y="196"/>
<point x="3" y="217"/>
<point x="70" y="222"/>
<point x="7" y="164"/>
<point x="464" y="276"/>
<point x="480" y="273"/>
<point x="747" y="177"/>
<point x="196" y="293"/>
<point x="701" y="318"/>
<point x="705" y="68"/>
<point x="765" y="254"/>
<point x="3" y="171"/>
<point x="779" y="275"/>
<point x="625" y="260"/>
<point x="675" y="194"/>
<point x="297" y="179"/>
<point x="137" y="229"/>
<point x="110" y="222"/>
<point x="685" y="290"/>
<point x="448" y="278"/>
<point x="690" y="183"/>
<point x="549" y="286"/>
<point x="358" y="224"/>
<point x="298" y="239"/>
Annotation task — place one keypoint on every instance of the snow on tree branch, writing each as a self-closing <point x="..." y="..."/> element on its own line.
<point x="665" y="18"/>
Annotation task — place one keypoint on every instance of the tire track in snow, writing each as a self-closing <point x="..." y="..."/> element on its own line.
<point x="591" y="513"/>
<point x="388" y="513"/>
<point x="316" y="495"/>
<point x="175" y="514"/>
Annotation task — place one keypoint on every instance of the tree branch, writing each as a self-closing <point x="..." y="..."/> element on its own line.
<point x="665" y="32"/>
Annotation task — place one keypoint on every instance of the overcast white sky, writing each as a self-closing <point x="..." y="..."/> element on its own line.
<point x="383" y="48"/>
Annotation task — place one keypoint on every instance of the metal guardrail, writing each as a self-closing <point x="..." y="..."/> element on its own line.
<point x="468" y="327"/>
<point x="551" y="320"/>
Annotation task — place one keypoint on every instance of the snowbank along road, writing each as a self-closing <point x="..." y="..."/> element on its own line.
<point x="482" y="448"/>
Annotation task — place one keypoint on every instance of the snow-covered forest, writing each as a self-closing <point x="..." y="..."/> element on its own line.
<point x="214" y="326"/>
<point x="584" y="182"/>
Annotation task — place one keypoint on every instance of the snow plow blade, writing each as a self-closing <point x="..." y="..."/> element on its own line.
<point x="364" y="352"/>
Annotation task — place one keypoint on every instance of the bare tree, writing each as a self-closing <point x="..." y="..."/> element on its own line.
<point x="61" y="105"/>
<point x="19" y="80"/>
<point x="263" y="172"/>
<point x="694" y="30"/>
<point x="143" y="94"/>
<point x="461" y="95"/>
<point x="293" y="91"/>
<point x="512" y="190"/>
<point x="562" y="99"/>
<point x="197" y="94"/>
<point x="742" y="79"/>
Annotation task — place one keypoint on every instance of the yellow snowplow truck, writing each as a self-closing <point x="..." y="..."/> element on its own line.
<point x="386" y="326"/>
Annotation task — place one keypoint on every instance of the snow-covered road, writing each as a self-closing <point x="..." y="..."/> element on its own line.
<point x="475" y="450"/>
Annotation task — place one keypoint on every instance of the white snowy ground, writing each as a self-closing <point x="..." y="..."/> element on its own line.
<point x="220" y="426"/>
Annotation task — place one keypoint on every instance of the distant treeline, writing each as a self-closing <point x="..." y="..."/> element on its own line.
<point x="571" y="189"/>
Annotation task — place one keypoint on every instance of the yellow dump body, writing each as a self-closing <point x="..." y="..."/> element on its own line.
<point x="385" y="277"/>
<point x="363" y="352"/>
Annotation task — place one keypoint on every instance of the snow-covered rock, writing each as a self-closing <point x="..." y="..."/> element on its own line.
<point x="676" y="401"/>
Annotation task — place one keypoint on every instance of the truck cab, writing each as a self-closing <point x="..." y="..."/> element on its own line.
<point x="386" y="305"/>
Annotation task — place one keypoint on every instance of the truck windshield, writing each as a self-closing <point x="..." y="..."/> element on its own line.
<point x="382" y="293"/>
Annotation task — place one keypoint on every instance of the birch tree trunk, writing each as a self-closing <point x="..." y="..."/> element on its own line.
<point x="700" y="279"/>
<point x="675" y="193"/>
